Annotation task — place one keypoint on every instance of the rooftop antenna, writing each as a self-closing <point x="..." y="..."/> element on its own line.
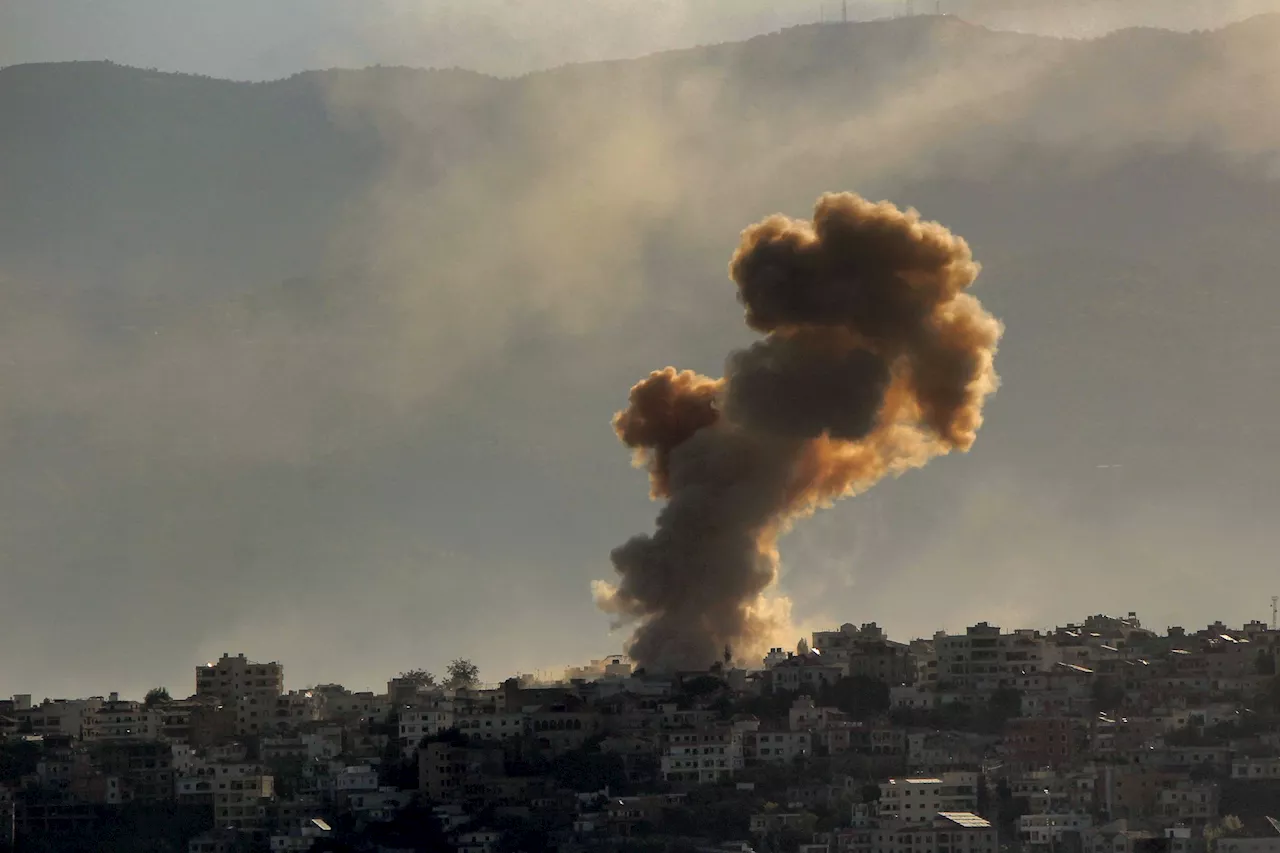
<point x="1275" y="604"/>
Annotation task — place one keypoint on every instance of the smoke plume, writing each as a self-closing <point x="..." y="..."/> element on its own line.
<point x="874" y="360"/>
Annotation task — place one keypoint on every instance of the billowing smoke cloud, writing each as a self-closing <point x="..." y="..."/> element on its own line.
<point x="874" y="361"/>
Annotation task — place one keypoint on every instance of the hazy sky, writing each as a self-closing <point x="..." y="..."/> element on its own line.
<point x="251" y="39"/>
<point x="268" y="39"/>
<point x="359" y="489"/>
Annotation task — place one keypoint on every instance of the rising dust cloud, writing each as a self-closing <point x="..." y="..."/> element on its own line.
<point x="874" y="360"/>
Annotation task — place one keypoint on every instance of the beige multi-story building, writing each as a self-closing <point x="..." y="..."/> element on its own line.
<point x="561" y="728"/>
<point x="485" y="724"/>
<point x="296" y="709"/>
<point x="920" y="799"/>
<point x="983" y="659"/>
<point x="1188" y="802"/>
<point x="866" y="651"/>
<point x="342" y="704"/>
<point x="1046" y="832"/>
<point x="232" y="678"/>
<point x="958" y="832"/>
<point x="240" y="802"/>
<point x="449" y="773"/>
<point x="65" y="717"/>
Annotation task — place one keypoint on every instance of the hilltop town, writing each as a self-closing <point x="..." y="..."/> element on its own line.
<point x="1101" y="736"/>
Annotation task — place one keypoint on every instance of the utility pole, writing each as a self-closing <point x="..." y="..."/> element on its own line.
<point x="1275" y="603"/>
<point x="844" y="11"/>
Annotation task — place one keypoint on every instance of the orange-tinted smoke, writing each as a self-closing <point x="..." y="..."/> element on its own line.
<point x="874" y="361"/>
<point x="666" y="409"/>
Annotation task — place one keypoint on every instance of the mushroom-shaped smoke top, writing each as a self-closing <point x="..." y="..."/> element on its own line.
<point x="874" y="360"/>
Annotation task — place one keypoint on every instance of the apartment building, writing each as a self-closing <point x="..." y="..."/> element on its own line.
<point x="54" y="717"/>
<point x="418" y="723"/>
<point x="1033" y="743"/>
<point x="1047" y="831"/>
<point x="120" y="719"/>
<point x="448" y="773"/>
<point x="983" y="659"/>
<point x="240" y="802"/>
<point x="957" y="832"/>
<point x="234" y="677"/>
<point x="919" y="799"/>
<point x="866" y="651"/>
<point x="704" y="755"/>
<point x="776" y="747"/>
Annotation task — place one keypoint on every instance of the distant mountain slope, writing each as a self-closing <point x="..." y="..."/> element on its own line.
<point x="367" y="328"/>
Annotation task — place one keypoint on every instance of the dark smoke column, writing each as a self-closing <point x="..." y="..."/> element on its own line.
<point x="874" y="361"/>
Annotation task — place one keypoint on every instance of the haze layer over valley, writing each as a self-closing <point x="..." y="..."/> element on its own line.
<point x="335" y="356"/>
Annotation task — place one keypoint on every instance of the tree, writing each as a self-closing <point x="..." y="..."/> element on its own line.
<point x="420" y="677"/>
<point x="1265" y="664"/>
<point x="17" y="759"/>
<point x="157" y="696"/>
<point x="702" y="685"/>
<point x="858" y="695"/>
<point x="1269" y="698"/>
<point x="586" y="770"/>
<point x="1107" y="695"/>
<point x="1229" y="827"/>
<point x="462" y="673"/>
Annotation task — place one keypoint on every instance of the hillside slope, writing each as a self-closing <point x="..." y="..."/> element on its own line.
<point x="367" y="329"/>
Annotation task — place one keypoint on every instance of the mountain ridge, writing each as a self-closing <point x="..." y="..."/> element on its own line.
<point x="368" y="328"/>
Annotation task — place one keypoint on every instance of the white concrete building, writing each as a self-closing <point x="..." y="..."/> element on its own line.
<point x="491" y="726"/>
<point x="417" y="723"/>
<point x="1045" y="831"/>
<point x="357" y="777"/>
<point x="296" y="709"/>
<point x="1188" y="803"/>
<point x="919" y="696"/>
<point x="301" y="838"/>
<point x="380" y="805"/>
<point x="478" y="841"/>
<point x="804" y="715"/>
<point x="771" y="747"/>
<point x="65" y="717"/>
<point x="342" y="704"/>
<point x="1255" y="768"/>
<point x="704" y="755"/>
<point x="118" y="719"/>
<point x="326" y="743"/>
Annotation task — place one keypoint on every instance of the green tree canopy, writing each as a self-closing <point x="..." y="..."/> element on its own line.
<point x="421" y="677"/>
<point x="462" y="673"/>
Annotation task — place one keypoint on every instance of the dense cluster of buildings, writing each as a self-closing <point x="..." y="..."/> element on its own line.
<point x="1103" y="736"/>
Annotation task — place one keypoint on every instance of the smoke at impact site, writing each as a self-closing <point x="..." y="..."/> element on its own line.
<point x="874" y="360"/>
